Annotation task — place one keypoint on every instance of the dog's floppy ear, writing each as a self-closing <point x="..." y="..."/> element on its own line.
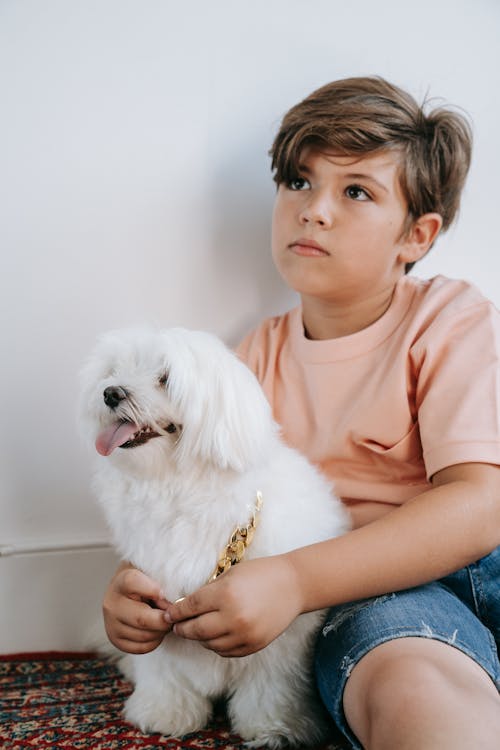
<point x="227" y="420"/>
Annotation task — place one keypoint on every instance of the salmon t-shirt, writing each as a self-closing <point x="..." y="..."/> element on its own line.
<point x="382" y="410"/>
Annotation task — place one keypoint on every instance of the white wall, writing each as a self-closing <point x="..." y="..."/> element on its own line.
<point x="135" y="187"/>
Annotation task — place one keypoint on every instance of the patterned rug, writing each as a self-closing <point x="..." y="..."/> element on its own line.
<point x="74" y="701"/>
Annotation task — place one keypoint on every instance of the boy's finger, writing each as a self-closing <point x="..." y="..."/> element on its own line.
<point x="143" y="617"/>
<point x="161" y="603"/>
<point x="226" y="646"/>
<point x="136" y="584"/>
<point x="190" y="606"/>
<point x="136" y="647"/>
<point x="140" y="635"/>
<point x="205" y="628"/>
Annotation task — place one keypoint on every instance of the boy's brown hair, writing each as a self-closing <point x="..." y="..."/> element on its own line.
<point x="359" y="116"/>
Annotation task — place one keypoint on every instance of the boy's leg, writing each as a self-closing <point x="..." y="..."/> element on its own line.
<point x="421" y="694"/>
<point x="396" y="661"/>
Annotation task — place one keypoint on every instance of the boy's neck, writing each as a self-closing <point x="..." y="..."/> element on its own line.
<point x="332" y="319"/>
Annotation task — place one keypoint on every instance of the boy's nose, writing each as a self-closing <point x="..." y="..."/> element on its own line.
<point x="318" y="210"/>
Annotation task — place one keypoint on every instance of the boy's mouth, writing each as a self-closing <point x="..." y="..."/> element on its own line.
<point x="308" y="248"/>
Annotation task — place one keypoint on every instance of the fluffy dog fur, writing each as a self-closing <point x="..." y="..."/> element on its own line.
<point x="172" y="502"/>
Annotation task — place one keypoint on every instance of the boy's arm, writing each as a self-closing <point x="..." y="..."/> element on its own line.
<point x="454" y="523"/>
<point x="438" y="532"/>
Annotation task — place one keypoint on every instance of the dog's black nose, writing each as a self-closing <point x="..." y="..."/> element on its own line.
<point x="113" y="395"/>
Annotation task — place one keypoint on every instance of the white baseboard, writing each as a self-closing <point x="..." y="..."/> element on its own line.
<point x="35" y="546"/>
<point x="51" y="598"/>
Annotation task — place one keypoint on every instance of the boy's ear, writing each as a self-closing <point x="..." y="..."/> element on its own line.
<point x="420" y="237"/>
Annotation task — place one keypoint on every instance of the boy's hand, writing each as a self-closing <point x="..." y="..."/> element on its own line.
<point x="243" y="610"/>
<point x="130" y="618"/>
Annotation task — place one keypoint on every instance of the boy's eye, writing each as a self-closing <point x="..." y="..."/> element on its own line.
<point x="357" y="193"/>
<point x="298" y="183"/>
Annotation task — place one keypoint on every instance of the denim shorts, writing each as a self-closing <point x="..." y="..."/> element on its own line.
<point x="462" y="610"/>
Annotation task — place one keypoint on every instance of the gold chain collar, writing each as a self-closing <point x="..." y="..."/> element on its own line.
<point x="240" y="539"/>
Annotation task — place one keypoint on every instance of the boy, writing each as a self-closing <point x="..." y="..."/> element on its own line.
<point x="390" y="385"/>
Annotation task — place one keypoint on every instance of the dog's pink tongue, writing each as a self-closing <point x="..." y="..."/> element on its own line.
<point x="113" y="436"/>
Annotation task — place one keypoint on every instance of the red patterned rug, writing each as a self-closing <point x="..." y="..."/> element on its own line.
<point x="74" y="701"/>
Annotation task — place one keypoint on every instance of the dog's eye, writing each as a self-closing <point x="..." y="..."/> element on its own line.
<point x="162" y="380"/>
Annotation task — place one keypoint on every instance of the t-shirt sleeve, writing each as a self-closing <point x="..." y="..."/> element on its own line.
<point x="259" y="349"/>
<point x="245" y="346"/>
<point x="457" y="397"/>
<point x="249" y="351"/>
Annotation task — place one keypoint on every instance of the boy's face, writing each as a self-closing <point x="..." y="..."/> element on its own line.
<point x="338" y="227"/>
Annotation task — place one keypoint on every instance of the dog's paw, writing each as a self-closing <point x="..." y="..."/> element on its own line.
<point x="278" y="731"/>
<point x="277" y="739"/>
<point x="269" y="739"/>
<point x="173" y="715"/>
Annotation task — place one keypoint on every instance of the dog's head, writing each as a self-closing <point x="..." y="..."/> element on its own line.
<point x="150" y="398"/>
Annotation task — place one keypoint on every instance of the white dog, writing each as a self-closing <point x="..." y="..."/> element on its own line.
<point x="189" y="452"/>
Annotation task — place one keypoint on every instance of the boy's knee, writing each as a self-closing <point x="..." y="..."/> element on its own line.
<point x="399" y="682"/>
<point x="409" y="678"/>
<point x="388" y="680"/>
